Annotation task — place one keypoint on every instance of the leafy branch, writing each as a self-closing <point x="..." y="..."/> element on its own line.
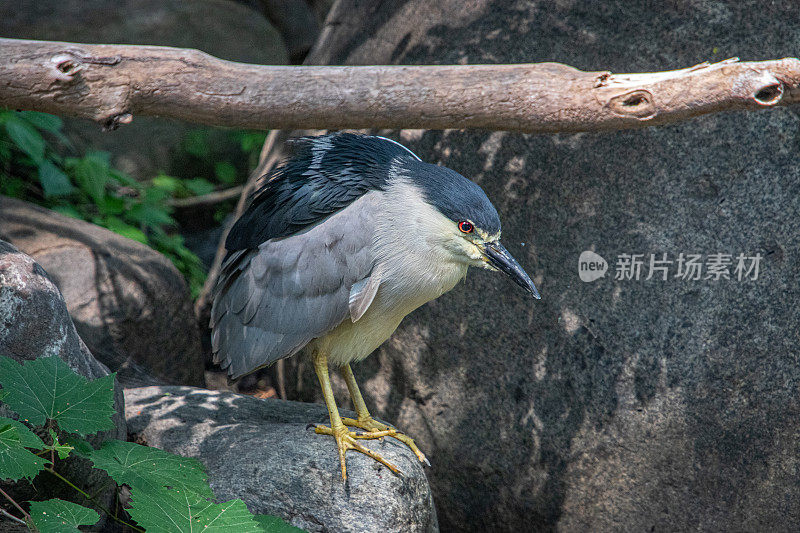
<point x="168" y="493"/>
<point x="39" y="164"/>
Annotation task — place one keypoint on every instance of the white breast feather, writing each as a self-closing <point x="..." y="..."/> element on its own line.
<point x="415" y="267"/>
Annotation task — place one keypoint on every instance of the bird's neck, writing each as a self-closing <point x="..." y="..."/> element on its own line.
<point x="408" y="248"/>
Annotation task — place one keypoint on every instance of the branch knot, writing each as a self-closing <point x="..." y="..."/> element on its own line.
<point x="637" y="104"/>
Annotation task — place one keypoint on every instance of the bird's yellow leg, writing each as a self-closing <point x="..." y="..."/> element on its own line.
<point x="344" y="439"/>
<point x="365" y="421"/>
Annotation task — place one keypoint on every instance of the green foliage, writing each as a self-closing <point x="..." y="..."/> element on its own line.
<point x="47" y="389"/>
<point x="169" y="493"/>
<point x="206" y="145"/>
<point x="225" y="172"/>
<point x="150" y="470"/>
<point x="224" y="157"/>
<point x="54" y="182"/>
<point x="63" y="450"/>
<point x="179" y="512"/>
<point x="27" y="438"/>
<point x="38" y="164"/>
<point x="59" y="516"/>
<point x="25" y="136"/>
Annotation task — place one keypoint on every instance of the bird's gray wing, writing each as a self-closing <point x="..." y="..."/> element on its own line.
<point x="272" y="300"/>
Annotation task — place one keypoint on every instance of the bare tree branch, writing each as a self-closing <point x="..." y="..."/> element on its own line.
<point x="265" y="164"/>
<point x="208" y="199"/>
<point x="111" y="83"/>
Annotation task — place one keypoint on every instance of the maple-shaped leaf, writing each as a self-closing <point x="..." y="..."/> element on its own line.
<point x="180" y="512"/>
<point x="150" y="470"/>
<point x="47" y="388"/>
<point x="170" y="493"/>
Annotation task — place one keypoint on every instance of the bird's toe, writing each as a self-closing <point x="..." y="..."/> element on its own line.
<point x="346" y="440"/>
<point x="375" y="429"/>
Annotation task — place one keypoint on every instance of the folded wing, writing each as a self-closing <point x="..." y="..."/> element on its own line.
<point x="272" y="300"/>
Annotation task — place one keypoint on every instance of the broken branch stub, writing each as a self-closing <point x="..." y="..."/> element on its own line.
<point x="111" y="83"/>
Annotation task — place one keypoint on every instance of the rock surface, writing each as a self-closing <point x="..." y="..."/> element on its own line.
<point x="34" y="323"/>
<point x="617" y="405"/>
<point x="129" y="303"/>
<point x="262" y="452"/>
<point x="296" y="22"/>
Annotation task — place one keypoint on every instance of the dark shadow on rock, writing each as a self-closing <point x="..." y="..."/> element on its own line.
<point x="127" y="300"/>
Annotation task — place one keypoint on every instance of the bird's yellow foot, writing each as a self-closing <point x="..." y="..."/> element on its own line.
<point x="373" y="427"/>
<point x="346" y="440"/>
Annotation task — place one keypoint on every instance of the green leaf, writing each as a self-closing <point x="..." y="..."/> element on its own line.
<point x="91" y="174"/>
<point x="43" y="121"/>
<point x="26" y="138"/>
<point x="150" y="470"/>
<point x="165" y="512"/>
<point x="28" y="438"/>
<point x="252" y="141"/>
<point x="124" y="179"/>
<point x="62" y="450"/>
<point x="196" y="143"/>
<point x="126" y="230"/>
<point x="169" y="493"/>
<point x="15" y="461"/>
<point x="79" y="446"/>
<point x="46" y="388"/>
<point x="199" y="186"/>
<point x="111" y="205"/>
<point x="59" y="516"/>
<point x="54" y="182"/>
<point x="225" y="171"/>
<point x="273" y="524"/>
<point x="150" y="214"/>
<point x="167" y="183"/>
<point x="178" y="512"/>
<point x="155" y="196"/>
<point x="222" y="517"/>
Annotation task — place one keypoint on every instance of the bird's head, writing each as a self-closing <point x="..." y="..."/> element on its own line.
<point x="467" y="225"/>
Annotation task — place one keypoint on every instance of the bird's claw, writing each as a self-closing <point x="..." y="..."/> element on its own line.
<point x="373" y="427"/>
<point x="346" y="440"/>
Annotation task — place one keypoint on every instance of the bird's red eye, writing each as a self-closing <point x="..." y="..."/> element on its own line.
<point x="465" y="226"/>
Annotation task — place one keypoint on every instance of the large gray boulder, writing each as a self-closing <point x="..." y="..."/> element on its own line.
<point x="617" y="405"/>
<point x="263" y="452"/>
<point x="129" y="303"/>
<point x="34" y="323"/>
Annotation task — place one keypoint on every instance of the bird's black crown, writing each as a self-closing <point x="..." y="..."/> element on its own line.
<point x="455" y="196"/>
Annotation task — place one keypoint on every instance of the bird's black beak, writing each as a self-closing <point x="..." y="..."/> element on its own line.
<point x="499" y="258"/>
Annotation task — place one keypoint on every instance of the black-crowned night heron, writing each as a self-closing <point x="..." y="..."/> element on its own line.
<point x="345" y="239"/>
